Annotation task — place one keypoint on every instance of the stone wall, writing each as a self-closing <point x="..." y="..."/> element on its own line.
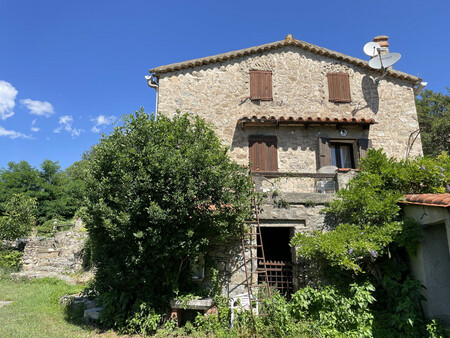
<point x="60" y="256"/>
<point x="219" y="93"/>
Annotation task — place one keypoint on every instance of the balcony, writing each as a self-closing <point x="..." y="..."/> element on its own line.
<point x="298" y="187"/>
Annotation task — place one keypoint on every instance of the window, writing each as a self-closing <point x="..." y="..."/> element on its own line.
<point x="260" y="85"/>
<point x="263" y="153"/>
<point x="338" y="87"/>
<point x="342" y="153"/>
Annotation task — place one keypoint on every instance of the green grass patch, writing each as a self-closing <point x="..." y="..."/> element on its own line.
<point x="35" y="311"/>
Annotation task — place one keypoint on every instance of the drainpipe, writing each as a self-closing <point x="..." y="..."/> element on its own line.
<point x="152" y="83"/>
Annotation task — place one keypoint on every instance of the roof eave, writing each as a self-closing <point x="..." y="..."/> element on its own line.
<point x="274" y="45"/>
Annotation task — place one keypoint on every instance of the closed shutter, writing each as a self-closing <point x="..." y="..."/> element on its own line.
<point x="260" y="85"/>
<point x="338" y="87"/>
<point x="324" y="152"/>
<point x="363" y="145"/>
<point x="263" y="153"/>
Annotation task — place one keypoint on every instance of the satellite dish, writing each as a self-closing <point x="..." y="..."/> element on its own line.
<point x="371" y="49"/>
<point x="384" y="61"/>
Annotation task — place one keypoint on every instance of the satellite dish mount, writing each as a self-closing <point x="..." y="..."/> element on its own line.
<point x="380" y="61"/>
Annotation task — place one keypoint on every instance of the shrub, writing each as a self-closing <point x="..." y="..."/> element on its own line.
<point x="159" y="193"/>
<point x="10" y="259"/>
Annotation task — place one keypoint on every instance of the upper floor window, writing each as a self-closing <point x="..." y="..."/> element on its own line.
<point x="261" y="85"/>
<point x="338" y="87"/>
<point x="263" y="153"/>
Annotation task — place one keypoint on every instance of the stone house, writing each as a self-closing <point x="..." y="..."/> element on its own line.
<point x="302" y="116"/>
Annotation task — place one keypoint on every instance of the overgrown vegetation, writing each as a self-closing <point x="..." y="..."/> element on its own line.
<point x="160" y="193"/>
<point x="369" y="238"/>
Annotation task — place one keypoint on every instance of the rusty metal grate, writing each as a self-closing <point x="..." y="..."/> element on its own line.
<point x="280" y="276"/>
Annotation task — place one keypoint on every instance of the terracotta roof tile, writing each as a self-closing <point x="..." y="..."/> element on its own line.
<point x="274" y="45"/>
<point x="302" y="120"/>
<point x="437" y="200"/>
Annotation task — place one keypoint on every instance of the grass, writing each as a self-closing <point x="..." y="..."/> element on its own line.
<point x="35" y="311"/>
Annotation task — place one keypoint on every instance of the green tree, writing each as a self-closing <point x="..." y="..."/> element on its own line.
<point x="58" y="193"/>
<point x="19" y="178"/>
<point x="159" y="193"/>
<point x="433" y="110"/>
<point x="18" y="217"/>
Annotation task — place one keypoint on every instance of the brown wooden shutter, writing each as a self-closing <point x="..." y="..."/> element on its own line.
<point x="263" y="153"/>
<point x="363" y="145"/>
<point x="260" y="85"/>
<point x="338" y="87"/>
<point x="324" y="152"/>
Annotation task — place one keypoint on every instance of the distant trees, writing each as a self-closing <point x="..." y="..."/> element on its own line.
<point x="433" y="110"/>
<point x="57" y="193"/>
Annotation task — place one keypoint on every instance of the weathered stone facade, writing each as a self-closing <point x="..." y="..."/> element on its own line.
<point x="219" y="90"/>
<point x="219" y="93"/>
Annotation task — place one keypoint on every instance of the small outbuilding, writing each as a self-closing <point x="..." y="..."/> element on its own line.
<point x="431" y="265"/>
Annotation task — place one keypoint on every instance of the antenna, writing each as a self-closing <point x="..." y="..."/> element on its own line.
<point x="380" y="61"/>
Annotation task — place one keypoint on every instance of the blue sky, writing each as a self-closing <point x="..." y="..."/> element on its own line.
<point x="70" y="69"/>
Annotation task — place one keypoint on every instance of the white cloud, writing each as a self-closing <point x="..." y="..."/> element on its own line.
<point x="7" y="99"/>
<point x="102" y="120"/>
<point x="12" y="134"/>
<point x="40" y="108"/>
<point x="65" y="123"/>
<point x="33" y="128"/>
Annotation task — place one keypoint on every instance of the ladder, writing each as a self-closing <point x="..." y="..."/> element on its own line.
<point x="254" y="288"/>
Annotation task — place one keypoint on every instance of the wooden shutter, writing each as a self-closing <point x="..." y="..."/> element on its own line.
<point x="324" y="152"/>
<point x="263" y="153"/>
<point x="338" y="87"/>
<point x="260" y="85"/>
<point x="363" y="145"/>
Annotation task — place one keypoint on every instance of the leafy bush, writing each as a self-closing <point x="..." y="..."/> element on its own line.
<point x="334" y="313"/>
<point x="367" y="233"/>
<point x="145" y="320"/>
<point x="10" y="259"/>
<point x="159" y="194"/>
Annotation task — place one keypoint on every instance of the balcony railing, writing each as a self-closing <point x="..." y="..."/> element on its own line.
<point x="296" y="182"/>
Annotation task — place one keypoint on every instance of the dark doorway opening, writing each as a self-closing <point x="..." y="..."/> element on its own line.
<point x="278" y="256"/>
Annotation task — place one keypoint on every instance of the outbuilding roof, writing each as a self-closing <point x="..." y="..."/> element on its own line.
<point x="288" y="41"/>
<point x="436" y="200"/>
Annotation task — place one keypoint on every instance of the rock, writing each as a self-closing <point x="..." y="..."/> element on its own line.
<point x="195" y="304"/>
<point x="92" y="314"/>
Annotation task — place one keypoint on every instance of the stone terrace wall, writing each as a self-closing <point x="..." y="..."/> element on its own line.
<point x="60" y="256"/>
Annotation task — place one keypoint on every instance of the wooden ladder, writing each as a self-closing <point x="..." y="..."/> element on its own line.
<point x="254" y="289"/>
